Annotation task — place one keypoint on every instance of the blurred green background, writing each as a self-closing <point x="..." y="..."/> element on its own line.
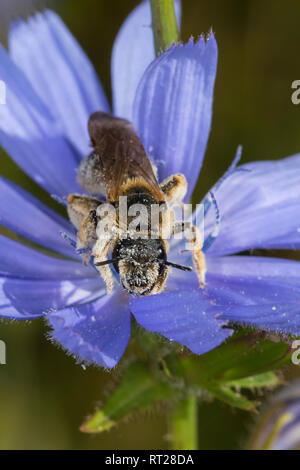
<point x="44" y="395"/>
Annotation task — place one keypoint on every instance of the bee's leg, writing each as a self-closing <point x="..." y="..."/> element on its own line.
<point x="82" y="214"/>
<point x="193" y="236"/>
<point x="100" y="252"/>
<point x="198" y="255"/>
<point x="162" y="278"/>
<point x="87" y="236"/>
<point x="160" y="282"/>
<point x="174" y="188"/>
<point x="79" y="206"/>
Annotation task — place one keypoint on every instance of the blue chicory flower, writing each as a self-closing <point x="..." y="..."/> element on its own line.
<point x="279" y="425"/>
<point x="51" y="91"/>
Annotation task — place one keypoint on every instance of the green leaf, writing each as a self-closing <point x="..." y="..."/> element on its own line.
<point x="139" y="389"/>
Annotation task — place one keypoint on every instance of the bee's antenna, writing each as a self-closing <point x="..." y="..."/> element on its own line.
<point x="167" y="263"/>
<point x="178" y="266"/>
<point x="107" y="261"/>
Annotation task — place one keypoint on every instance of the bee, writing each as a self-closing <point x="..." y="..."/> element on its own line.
<point x="119" y="167"/>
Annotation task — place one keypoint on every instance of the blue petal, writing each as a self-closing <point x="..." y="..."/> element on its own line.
<point x="279" y="425"/>
<point x="97" y="332"/>
<point x="25" y="299"/>
<point x="27" y="216"/>
<point x="263" y="292"/>
<point x="60" y="73"/>
<point x="253" y="280"/>
<point x="259" y="208"/>
<point x="173" y="108"/>
<point x="183" y="316"/>
<point x="289" y="436"/>
<point x="19" y="261"/>
<point x="133" y="51"/>
<point x="28" y="133"/>
<point x="280" y="318"/>
<point x="33" y="284"/>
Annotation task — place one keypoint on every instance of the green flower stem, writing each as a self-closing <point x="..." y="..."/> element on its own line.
<point x="184" y="424"/>
<point x="164" y="24"/>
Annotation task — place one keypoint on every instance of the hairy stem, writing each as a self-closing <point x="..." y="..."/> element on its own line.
<point x="164" y="24"/>
<point x="184" y="424"/>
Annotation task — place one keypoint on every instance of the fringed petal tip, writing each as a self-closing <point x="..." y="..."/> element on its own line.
<point x="95" y="333"/>
<point x="133" y="51"/>
<point x="74" y="346"/>
<point x="201" y="41"/>
<point x="203" y="38"/>
<point x="211" y="34"/>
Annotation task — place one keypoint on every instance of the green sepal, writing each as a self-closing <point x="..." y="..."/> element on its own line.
<point x="239" y="358"/>
<point x="139" y="389"/>
<point x="265" y="380"/>
<point x="231" y="397"/>
<point x="245" y="362"/>
<point x="242" y="363"/>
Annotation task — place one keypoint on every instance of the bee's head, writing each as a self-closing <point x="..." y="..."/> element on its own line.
<point x="141" y="265"/>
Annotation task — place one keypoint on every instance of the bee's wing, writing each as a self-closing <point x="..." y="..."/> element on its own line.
<point x="121" y="154"/>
